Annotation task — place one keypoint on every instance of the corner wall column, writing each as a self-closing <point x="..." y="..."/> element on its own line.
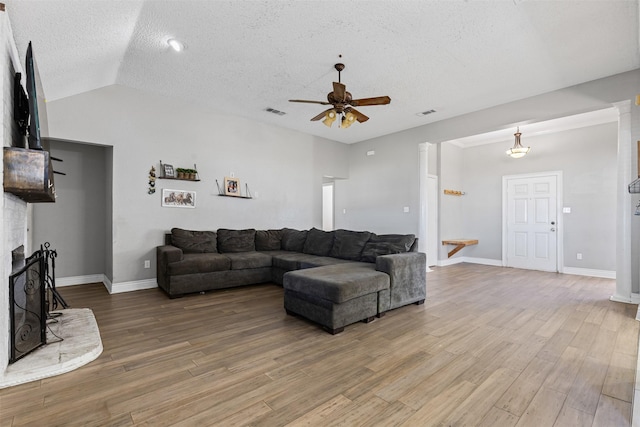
<point x="423" y="219"/>
<point x="624" y="209"/>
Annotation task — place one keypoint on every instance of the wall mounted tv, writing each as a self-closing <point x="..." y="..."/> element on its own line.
<point x="20" y="105"/>
<point x="33" y="81"/>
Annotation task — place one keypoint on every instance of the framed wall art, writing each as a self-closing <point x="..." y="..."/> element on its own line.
<point x="231" y="186"/>
<point x="178" y="198"/>
<point x="168" y="172"/>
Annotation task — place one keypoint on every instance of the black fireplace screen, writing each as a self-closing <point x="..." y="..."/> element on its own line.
<point x="27" y="307"/>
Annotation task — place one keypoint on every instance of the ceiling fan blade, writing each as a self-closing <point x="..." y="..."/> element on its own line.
<point x="378" y="100"/>
<point x="310" y="102"/>
<point x="321" y="115"/>
<point x="339" y="91"/>
<point x="359" y="116"/>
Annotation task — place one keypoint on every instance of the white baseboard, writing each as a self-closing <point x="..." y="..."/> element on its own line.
<point x="605" y="274"/>
<point x="471" y="260"/>
<point x="80" y="280"/>
<point x="136" y="285"/>
<point x="112" y="288"/>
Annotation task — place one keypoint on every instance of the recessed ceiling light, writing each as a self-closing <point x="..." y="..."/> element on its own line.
<point x="176" y="45"/>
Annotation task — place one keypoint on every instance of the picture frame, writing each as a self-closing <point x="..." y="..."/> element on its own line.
<point x="168" y="171"/>
<point x="231" y="186"/>
<point x="178" y="198"/>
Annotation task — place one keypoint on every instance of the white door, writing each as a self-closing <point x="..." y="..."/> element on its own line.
<point x="432" y="220"/>
<point x="531" y="222"/>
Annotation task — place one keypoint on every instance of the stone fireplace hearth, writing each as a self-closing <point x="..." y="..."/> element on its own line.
<point x="80" y="345"/>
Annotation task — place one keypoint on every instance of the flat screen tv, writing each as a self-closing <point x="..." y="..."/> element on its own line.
<point x="20" y="105"/>
<point x="34" y="123"/>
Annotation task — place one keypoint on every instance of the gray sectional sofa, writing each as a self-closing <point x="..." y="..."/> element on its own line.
<point x="332" y="278"/>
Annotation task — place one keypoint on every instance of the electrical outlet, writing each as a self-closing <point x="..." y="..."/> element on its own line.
<point x="147" y="263"/>
<point x="578" y="255"/>
<point x="406" y="209"/>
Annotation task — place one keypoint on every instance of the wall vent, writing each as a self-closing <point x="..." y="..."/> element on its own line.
<point x="274" y="111"/>
<point x="425" y="113"/>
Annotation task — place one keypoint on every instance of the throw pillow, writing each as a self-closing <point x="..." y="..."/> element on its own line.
<point x="236" y="240"/>
<point x="293" y="240"/>
<point x="387" y="244"/>
<point x="268" y="240"/>
<point x="194" y="241"/>
<point x="349" y="244"/>
<point x="318" y="242"/>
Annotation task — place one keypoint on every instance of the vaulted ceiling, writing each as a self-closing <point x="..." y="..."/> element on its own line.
<point x="242" y="57"/>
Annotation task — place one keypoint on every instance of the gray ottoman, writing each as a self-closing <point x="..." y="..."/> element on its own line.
<point x="335" y="295"/>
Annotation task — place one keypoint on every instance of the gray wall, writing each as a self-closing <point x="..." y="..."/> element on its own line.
<point x="75" y="223"/>
<point x="284" y="168"/>
<point x="399" y="162"/>
<point x="379" y="187"/>
<point x="587" y="158"/>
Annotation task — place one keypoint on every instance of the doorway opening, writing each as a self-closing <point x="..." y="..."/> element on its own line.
<point x="327" y="206"/>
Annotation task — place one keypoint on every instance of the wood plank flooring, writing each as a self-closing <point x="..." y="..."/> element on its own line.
<point x="490" y="347"/>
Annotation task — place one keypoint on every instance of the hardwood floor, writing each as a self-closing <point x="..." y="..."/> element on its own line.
<point x="490" y="347"/>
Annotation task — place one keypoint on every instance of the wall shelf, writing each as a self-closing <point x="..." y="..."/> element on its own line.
<point x="178" y="179"/>
<point x="235" y="197"/>
<point x="459" y="244"/>
<point x="29" y="174"/>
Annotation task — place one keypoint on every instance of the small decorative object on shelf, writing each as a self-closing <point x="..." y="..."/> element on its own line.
<point x="152" y="180"/>
<point x="168" y="172"/>
<point x="231" y="188"/>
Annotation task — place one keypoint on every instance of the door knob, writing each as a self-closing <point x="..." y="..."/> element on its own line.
<point x="553" y="229"/>
<point x="553" y="223"/>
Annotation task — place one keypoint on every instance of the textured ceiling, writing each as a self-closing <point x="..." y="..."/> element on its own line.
<point x="244" y="56"/>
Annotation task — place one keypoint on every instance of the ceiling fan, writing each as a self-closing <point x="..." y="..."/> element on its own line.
<point x="343" y="103"/>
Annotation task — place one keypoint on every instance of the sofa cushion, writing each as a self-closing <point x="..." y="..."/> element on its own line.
<point x="320" y="261"/>
<point x="337" y="283"/>
<point x="293" y="240"/>
<point x="318" y="242"/>
<point x="194" y="241"/>
<point x="386" y="244"/>
<point x="245" y="260"/>
<point x="268" y="240"/>
<point x="236" y="240"/>
<point x="199" y="263"/>
<point x="349" y="244"/>
<point x="287" y="260"/>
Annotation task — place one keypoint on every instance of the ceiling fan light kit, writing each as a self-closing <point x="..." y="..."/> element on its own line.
<point x="343" y="104"/>
<point x="518" y="150"/>
<point x="330" y="117"/>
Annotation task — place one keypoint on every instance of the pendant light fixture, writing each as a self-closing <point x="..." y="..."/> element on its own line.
<point x="518" y="150"/>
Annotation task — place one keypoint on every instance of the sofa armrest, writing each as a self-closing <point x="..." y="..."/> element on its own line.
<point x="165" y="255"/>
<point x="168" y="254"/>
<point x="408" y="277"/>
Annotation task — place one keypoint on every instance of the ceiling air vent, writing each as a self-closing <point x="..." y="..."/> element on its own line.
<point x="425" y="113"/>
<point x="274" y="111"/>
